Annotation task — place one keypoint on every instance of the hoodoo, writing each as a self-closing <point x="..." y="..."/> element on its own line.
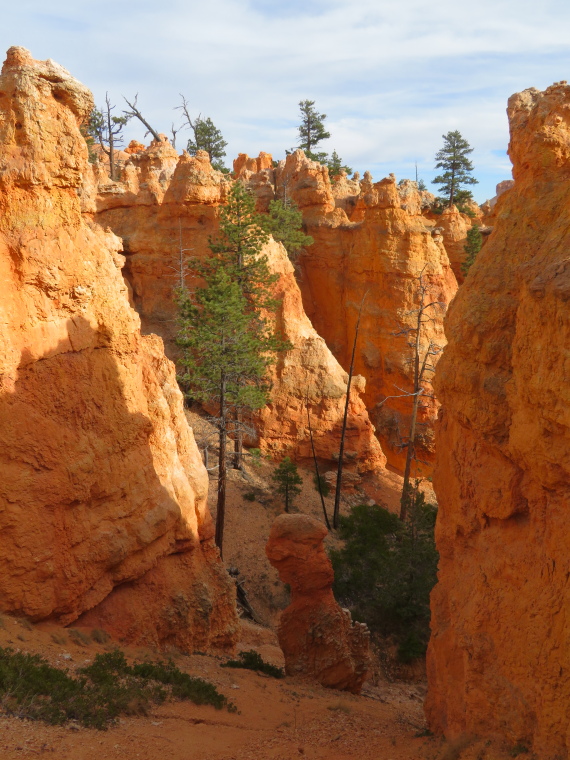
<point x="499" y="655"/>
<point x="102" y="489"/>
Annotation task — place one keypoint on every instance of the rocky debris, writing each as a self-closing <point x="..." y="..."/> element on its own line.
<point x="102" y="488"/>
<point x="317" y="637"/>
<point x="500" y="648"/>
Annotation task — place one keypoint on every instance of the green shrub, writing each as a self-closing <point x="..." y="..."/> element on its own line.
<point x="31" y="688"/>
<point x="249" y="496"/>
<point x="100" y="636"/>
<point x="251" y="660"/>
<point x="386" y="570"/>
<point x="325" y="487"/>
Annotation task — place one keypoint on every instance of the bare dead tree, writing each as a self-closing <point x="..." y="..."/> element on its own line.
<point x="187" y="118"/>
<point x="317" y="474"/>
<point x="137" y="114"/>
<point x="106" y="129"/>
<point x="345" y="419"/>
<point x="174" y="131"/>
<point x="422" y="364"/>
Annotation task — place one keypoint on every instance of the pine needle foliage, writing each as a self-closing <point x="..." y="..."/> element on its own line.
<point x="453" y="159"/>
<point x="209" y="138"/>
<point x="472" y="248"/>
<point x="284" y="222"/>
<point x="312" y="129"/>
<point x="287" y="481"/>
<point x="335" y="165"/>
<point x="386" y="570"/>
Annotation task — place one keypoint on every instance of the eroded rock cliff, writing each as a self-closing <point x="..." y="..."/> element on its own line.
<point x="370" y="238"/>
<point x="499" y="659"/>
<point x="166" y="206"/>
<point x="102" y="489"/>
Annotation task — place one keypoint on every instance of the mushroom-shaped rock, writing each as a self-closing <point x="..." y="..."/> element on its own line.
<point x="317" y="637"/>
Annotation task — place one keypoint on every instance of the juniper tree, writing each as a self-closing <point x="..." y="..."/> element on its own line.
<point x="457" y="167"/>
<point x="312" y="130"/>
<point x="106" y="129"/>
<point x="284" y="223"/>
<point x="287" y="480"/>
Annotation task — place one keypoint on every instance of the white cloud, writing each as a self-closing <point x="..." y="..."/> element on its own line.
<point x="392" y="76"/>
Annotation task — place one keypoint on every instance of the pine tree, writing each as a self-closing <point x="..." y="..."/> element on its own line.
<point x="471" y="247"/>
<point x="457" y="167"/>
<point x="237" y="249"/>
<point x="312" y="130"/>
<point x="225" y="359"/>
<point x="209" y="138"/>
<point x="284" y="223"/>
<point x="335" y="165"/>
<point x="287" y="480"/>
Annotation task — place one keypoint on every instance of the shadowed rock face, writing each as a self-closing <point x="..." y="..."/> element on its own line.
<point x="101" y="484"/>
<point x="317" y="637"/>
<point x="500" y="648"/>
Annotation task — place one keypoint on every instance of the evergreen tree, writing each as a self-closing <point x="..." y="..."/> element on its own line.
<point x="471" y="247"/>
<point x="237" y="249"/>
<point x="287" y="480"/>
<point x="225" y="358"/>
<point x="386" y="569"/>
<point x="209" y="138"/>
<point x="457" y="167"/>
<point x="106" y="129"/>
<point x="312" y="130"/>
<point x="335" y="165"/>
<point x="284" y="222"/>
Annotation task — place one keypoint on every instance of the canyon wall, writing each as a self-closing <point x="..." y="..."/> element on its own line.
<point x="102" y="489"/>
<point x="370" y="239"/>
<point x="166" y="205"/>
<point x="499" y="656"/>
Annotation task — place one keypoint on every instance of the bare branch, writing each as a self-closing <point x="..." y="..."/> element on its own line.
<point x="135" y="112"/>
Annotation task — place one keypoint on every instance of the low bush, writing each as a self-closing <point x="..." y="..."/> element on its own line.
<point x="251" y="660"/>
<point x="32" y="688"/>
<point x="386" y="570"/>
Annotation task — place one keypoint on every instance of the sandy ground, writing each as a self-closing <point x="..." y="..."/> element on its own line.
<point x="276" y="719"/>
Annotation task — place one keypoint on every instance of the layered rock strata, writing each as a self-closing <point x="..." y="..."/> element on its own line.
<point x="499" y="656"/>
<point x="102" y="489"/>
<point x="317" y="637"/>
<point x="165" y="210"/>
<point x="370" y="239"/>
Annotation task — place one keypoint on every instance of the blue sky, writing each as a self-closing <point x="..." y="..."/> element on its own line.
<point x="392" y="76"/>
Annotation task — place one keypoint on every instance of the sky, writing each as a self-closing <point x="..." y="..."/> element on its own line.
<point x="392" y="76"/>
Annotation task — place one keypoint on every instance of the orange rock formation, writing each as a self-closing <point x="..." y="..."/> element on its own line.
<point x="167" y="203"/>
<point x="369" y="238"/>
<point x="102" y="489"/>
<point x="500" y="649"/>
<point x="317" y="637"/>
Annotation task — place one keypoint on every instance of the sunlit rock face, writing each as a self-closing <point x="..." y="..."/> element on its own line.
<point x="166" y="206"/>
<point x="102" y="489"/>
<point x="371" y="242"/>
<point x="317" y="637"/>
<point x="499" y="652"/>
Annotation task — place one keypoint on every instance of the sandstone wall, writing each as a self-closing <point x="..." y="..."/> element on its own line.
<point x="167" y="203"/>
<point x="101" y="484"/>
<point x="499" y="656"/>
<point x="370" y="238"/>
